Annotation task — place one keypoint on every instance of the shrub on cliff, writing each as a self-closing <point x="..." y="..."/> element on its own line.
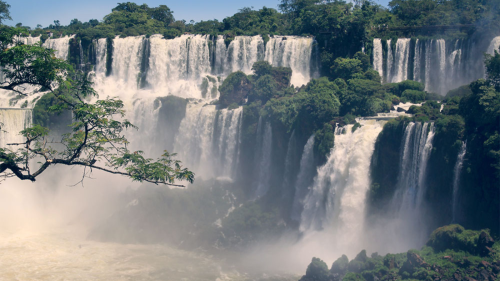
<point x="234" y="89"/>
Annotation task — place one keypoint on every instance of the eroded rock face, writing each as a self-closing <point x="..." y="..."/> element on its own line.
<point x="413" y="262"/>
<point x="484" y="244"/>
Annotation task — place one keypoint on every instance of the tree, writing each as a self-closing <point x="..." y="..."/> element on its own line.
<point x="162" y="13"/>
<point x="492" y="63"/>
<point x="96" y="140"/>
<point x="4" y="11"/>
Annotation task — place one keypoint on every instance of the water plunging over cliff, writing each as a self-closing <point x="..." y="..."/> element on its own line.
<point x="335" y="202"/>
<point x="456" y="182"/>
<point x="441" y="65"/>
<point x="13" y="121"/>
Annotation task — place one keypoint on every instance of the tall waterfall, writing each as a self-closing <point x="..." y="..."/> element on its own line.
<point x="304" y="178"/>
<point x="263" y="162"/>
<point x="407" y="202"/>
<point x="206" y="139"/>
<point x="378" y="56"/>
<point x="400" y="63"/>
<point x="13" y="121"/>
<point x="336" y="200"/>
<point x="441" y="65"/>
<point x="456" y="181"/>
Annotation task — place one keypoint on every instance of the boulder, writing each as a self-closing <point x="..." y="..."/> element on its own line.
<point x="401" y="110"/>
<point x="413" y="261"/>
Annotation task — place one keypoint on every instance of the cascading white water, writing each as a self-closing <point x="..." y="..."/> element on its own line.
<point x="101" y="56"/>
<point x="378" y="56"/>
<point x="264" y="162"/>
<point x="229" y="124"/>
<point x="197" y="139"/>
<point x="294" y="52"/>
<point x="59" y="45"/>
<point x="27" y="40"/>
<point x="290" y="159"/>
<point x="456" y="181"/>
<point x="390" y="62"/>
<point x="243" y="52"/>
<point x="13" y="121"/>
<point x="304" y="178"/>
<point x="400" y="72"/>
<point x="176" y="65"/>
<point x="336" y="200"/>
<point x="494" y="45"/>
<point x="407" y="202"/>
<point x="441" y="66"/>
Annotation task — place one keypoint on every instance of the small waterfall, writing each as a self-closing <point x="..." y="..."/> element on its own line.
<point x="290" y="159"/>
<point x="101" y="57"/>
<point x="336" y="200"/>
<point x="264" y="162"/>
<point x="27" y="40"/>
<point x="60" y="46"/>
<point x="494" y="45"/>
<point x="13" y="121"/>
<point x="378" y="57"/>
<point x="304" y="178"/>
<point x="294" y="52"/>
<point x="456" y="181"/>
<point x="220" y="56"/>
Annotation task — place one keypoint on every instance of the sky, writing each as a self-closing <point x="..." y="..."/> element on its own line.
<point x="44" y="12"/>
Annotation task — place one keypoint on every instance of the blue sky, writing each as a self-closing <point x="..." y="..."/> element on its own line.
<point x="44" y="12"/>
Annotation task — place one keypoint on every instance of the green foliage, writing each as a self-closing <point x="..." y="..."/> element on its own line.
<point x="4" y="11"/>
<point x="316" y="271"/>
<point x="448" y="258"/>
<point x="264" y="88"/>
<point x="262" y="68"/>
<point x="413" y="96"/>
<point x="323" y="142"/>
<point x="234" y="89"/>
<point x="340" y="265"/>
<point x="250" y="222"/>
<point x="492" y="64"/>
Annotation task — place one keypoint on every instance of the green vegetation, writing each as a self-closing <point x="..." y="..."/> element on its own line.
<point x="451" y="253"/>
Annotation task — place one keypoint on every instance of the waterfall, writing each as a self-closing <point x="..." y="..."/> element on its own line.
<point x="229" y="124"/>
<point x="101" y="56"/>
<point x="290" y="159"/>
<point x="456" y="181"/>
<point x="336" y="200"/>
<point x="264" y="160"/>
<point x="494" y="45"/>
<point x="243" y="52"/>
<point x="13" y="121"/>
<point x="407" y="202"/>
<point x="440" y="65"/>
<point x="27" y="40"/>
<point x="208" y="142"/>
<point x="388" y="74"/>
<point x="294" y="52"/>
<point x="304" y="178"/>
<point x="416" y="62"/>
<point x="401" y="57"/>
<point x="60" y="46"/>
<point x="378" y="56"/>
